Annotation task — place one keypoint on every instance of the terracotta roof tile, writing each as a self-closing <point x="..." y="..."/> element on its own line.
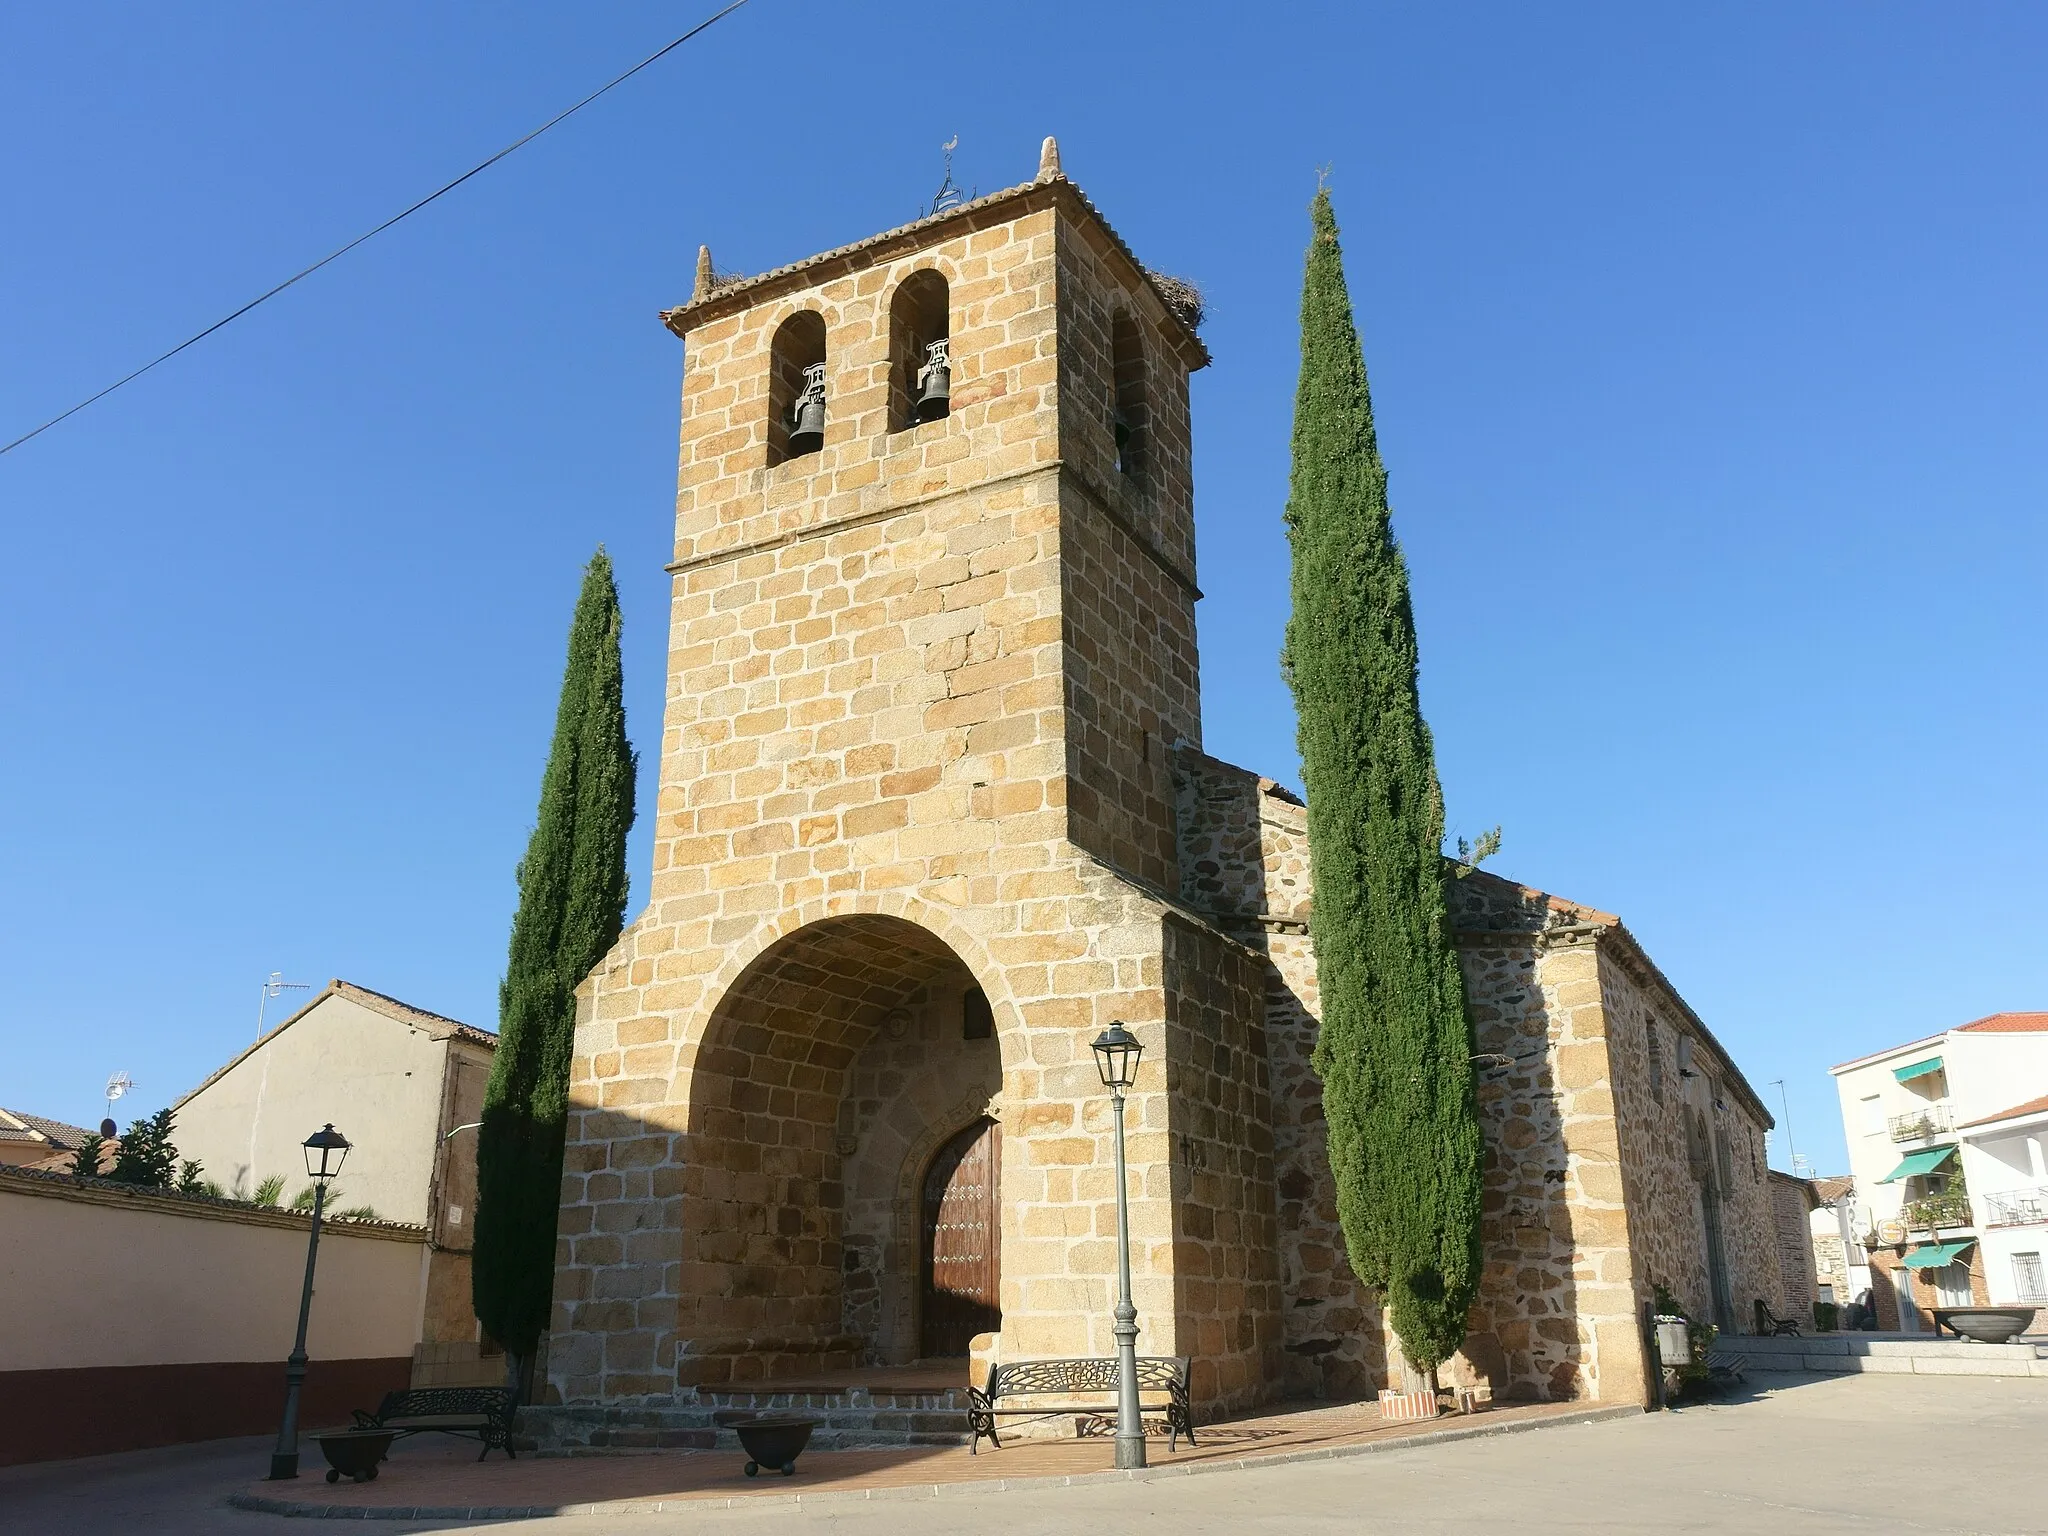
<point x="2031" y="1107"/>
<point x="2009" y="1023"/>
<point x="1833" y="1187"/>
<point x="18" y="1125"/>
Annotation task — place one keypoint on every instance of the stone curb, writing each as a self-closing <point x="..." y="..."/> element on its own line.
<point x="968" y="1487"/>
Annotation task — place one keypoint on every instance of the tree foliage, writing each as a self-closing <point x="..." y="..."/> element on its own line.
<point x="148" y="1156"/>
<point x="572" y="905"/>
<point x="1394" y="1051"/>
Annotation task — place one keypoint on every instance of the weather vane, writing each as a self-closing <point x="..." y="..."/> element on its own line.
<point x="949" y="195"/>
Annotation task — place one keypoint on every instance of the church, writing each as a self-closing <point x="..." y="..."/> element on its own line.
<point x="934" y="812"/>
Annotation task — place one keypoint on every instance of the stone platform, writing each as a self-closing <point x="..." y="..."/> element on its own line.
<point x="425" y="1480"/>
<point x="1897" y="1354"/>
<point x="913" y="1405"/>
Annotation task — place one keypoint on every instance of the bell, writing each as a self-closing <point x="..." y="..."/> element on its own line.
<point x="807" y="416"/>
<point x="935" y="382"/>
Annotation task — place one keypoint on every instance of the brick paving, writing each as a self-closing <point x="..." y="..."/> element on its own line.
<point x="426" y="1480"/>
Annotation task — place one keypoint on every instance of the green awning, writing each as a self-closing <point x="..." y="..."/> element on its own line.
<point x="1919" y="1162"/>
<point x="1936" y="1255"/>
<point x="1918" y="1069"/>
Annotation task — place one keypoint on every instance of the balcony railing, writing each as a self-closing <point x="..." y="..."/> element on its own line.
<point x="1951" y="1210"/>
<point x="2015" y="1207"/>
<point x="1935" y="1120"/>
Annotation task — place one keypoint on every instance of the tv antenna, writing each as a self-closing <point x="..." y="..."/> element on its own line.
<point x="275" y="986"/>
<point x="117" y="1086"/>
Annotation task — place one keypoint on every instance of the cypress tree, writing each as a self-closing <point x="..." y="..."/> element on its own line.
<point x="572" y="905"/>
<point x="1394" y="1051"/>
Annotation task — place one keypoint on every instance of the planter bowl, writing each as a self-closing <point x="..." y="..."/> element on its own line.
<point x="1987" y="1325"/>
<point x="355" y="1452"/>
<point x="774" y="1440"/>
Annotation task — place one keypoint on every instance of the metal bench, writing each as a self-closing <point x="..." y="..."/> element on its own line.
<point x="482" y="1413"/>
<point x="1774" y="1327"/>
<point x="1077" y="1378"/>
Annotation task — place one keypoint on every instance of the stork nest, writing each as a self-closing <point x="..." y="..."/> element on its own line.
<point x="1182" y="297"/>
<point x="720" y="281"/>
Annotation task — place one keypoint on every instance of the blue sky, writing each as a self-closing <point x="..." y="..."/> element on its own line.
<point x="1708" y="356"/>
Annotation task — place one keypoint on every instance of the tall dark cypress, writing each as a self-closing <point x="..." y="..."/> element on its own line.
<point x="572" y="904"/>
<point x="1395" y="1051"/>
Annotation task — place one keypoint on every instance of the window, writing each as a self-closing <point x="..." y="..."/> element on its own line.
<point x="1129" y="415"/>
<point x="977" y="1019"/>
<point x="920" y="352"/>
<point x="1952" y="1285"/>
<point x="796" y="387"/>
<point x="1872" y="1110"/>
<point x="2027" y="1281"/>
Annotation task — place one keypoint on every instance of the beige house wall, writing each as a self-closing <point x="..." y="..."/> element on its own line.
<point x="377" y="1080"/>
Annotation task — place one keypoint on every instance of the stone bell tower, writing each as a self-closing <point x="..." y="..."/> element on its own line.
<point x="932" y="645"/>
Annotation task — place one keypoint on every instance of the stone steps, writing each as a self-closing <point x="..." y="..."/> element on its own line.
<point x="1887" y="1354"/>
<point x="855" y="1418"/>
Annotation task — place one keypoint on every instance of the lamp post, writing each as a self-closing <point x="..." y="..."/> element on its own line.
<point x="1116" y="1056"/>
<point x="326" y="1149"/>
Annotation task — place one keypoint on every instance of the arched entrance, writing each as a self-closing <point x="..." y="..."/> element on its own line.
<point x="961" y="1242"/>
<point x="821" y="1077"/>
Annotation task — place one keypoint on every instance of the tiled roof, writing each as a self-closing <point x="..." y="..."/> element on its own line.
<point x="1835" y="1186"/>
<point x="2009" y="1023"/>
<point x="730" y="297"/>
<point x="434" y="1023"/>
<point x="439" y="1026"/>
<point x="1990" y="1024"/>
<point x="16" y="1125"/>
<point x="2031" y="1107"/>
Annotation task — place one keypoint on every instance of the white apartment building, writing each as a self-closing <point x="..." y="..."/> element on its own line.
<point x="1947" y="1137"/>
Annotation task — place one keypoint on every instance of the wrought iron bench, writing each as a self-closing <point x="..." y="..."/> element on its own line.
<point x="1077" y="1378"/>
<point x="482" y="1413"/>
<point x="1772" y="1327"/>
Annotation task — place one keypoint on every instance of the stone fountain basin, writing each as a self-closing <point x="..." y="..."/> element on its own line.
<point x="1987" y="1325"/>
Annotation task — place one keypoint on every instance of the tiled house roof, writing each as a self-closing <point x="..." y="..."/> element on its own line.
<point x="2009" y="1023"/>
<point x="18" y="1125"/>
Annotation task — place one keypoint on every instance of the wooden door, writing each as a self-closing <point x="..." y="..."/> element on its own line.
<point x="962" y="1241"/>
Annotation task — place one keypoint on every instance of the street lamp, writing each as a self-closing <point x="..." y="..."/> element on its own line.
<point x="326" y="1149"/>
<point x="1116" y="1056"/>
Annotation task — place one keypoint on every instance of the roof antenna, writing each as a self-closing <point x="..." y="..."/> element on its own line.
<point x="949" y="196"/>
<point x="276" y="986"/>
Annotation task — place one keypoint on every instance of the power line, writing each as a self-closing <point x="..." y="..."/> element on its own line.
<point x="395" y="218"/>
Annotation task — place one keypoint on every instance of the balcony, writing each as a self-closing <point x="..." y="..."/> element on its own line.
<point x="1934" y="1120"/>
<point x="1932" y="1211"/>
<point x="2015" y="1207"/>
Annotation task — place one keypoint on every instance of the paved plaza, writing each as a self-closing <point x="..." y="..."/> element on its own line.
<point x="1857" y="1454"/>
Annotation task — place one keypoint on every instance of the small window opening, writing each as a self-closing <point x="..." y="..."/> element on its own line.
<point x="977" y="1019"/>
<point x="920" y="352"/>
<point x="1130" y="415"/>
<point x="796" y="387"/>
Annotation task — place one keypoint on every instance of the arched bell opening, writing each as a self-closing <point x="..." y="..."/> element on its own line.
<point x="920" y="351"/>
<point x="822" y="1075"/>
<point x="796" y="387"/>
<point x="1130" y="410"/>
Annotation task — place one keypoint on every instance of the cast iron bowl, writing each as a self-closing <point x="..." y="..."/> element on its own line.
<point x="774" y="1440"/>
<point x="1987" y="1325"/>
<point x="355" y="1452"/>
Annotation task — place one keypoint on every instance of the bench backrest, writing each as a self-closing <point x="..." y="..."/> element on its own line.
<point x="415" y="1401"/>
<point x="1155" y="1372"/>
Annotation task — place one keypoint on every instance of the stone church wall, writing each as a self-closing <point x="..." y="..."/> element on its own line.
<point x="1689" y="1142"/>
